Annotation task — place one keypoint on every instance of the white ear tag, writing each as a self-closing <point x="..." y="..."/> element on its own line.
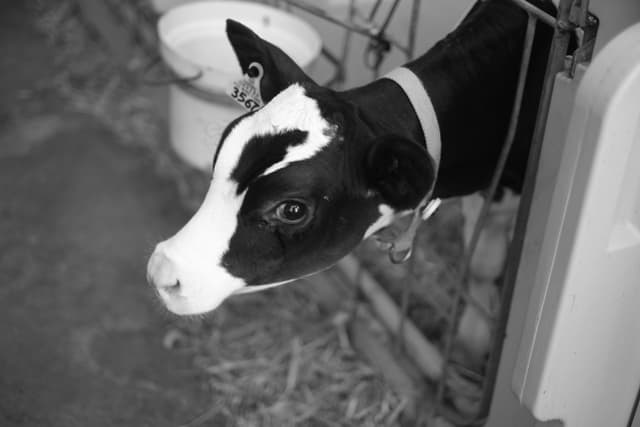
<point x="246" y="91"/>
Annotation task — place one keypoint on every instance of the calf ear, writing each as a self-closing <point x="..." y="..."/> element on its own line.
<point x="280" y="71"/>
<point x="400" y="170"/>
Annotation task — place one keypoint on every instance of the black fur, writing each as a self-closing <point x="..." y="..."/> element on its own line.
<point x="400" y="170"/>
<point x="261" y="152"/>
<point x="471" y="77"/>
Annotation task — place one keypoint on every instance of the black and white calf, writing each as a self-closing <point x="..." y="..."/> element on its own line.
<point x="299" y="183"/>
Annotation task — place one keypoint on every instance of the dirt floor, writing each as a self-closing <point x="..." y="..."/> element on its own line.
<point x="81" y="338"/>
<point x="80" y="333"/>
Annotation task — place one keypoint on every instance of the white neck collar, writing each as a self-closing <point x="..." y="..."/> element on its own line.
<point x="401" y="247"/>
<point x="422" y="105"/>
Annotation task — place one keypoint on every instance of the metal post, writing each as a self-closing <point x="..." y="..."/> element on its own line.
<point x="555" y="64"/>
<point x="413" y="29"/>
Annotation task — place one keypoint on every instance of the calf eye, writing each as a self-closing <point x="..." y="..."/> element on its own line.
<point x="292" y="212"/>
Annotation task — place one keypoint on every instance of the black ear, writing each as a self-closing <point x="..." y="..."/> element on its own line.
<point x="280" y="71"/>
<point x="400" y="170"/>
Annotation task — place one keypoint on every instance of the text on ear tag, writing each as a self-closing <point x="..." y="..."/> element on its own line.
<point x="246" y="90"/>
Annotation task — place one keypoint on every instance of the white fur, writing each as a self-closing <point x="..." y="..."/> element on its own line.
<point x="386" y="217"/>
<point x="293" y="109"/>
<point x="197" y="249"/>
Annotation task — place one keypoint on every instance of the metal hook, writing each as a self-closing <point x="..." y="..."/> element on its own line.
<point x="376" y="50"/>
<point x="400" y="256"/>
<point x="401" y="248"/>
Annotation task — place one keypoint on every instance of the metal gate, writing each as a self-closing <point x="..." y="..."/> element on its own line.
<point x="573" y="41"/>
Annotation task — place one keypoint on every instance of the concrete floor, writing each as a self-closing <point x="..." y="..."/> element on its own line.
<point x="80" y="331"/>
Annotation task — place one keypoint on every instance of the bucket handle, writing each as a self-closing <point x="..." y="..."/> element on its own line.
<point x="173" y="79"/>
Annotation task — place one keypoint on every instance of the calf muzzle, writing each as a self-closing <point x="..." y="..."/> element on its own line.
<point x="162" y="273"/>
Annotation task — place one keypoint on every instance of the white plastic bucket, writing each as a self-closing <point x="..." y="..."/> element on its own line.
<point x="193" y="43"/>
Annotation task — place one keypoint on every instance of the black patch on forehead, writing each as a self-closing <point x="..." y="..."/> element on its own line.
<point x="263" y="151"/>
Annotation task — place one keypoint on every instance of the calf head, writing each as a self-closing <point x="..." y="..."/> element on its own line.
<point x="296" y="185"/>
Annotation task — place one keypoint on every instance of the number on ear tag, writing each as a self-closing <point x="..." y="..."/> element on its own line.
<point x="246" y="91"/>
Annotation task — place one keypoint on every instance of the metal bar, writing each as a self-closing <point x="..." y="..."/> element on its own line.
<point x="338" y="75"/>
<point x="385" y="24"/>
<point x="495" y="180"/>
<point x="413" y="25"/>
<point x="581" y="7"/>
<point x="517" y="104"/>
<point x="374" y="10"/>
<point x="346" y="44"/>
<point x="586" y="31"/>
<point x="555" y="64"/>
<point x="537" y="12"/>
<point x="368" y="32"/>
<point x="316" y="11"/>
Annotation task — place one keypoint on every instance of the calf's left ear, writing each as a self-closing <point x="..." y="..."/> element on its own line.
<point x="400" y="170"/>
<point x="280" y="71"/>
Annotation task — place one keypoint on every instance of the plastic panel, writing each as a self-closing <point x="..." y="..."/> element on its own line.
<point x="582" y="347"/>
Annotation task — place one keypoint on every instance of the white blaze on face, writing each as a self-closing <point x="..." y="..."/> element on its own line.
<point x="292" y="109"/>
<point x="196" y="251"/>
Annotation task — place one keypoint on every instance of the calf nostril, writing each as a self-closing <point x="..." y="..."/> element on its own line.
<point x="172" y="288"/>
<point x="162" y="273"/>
